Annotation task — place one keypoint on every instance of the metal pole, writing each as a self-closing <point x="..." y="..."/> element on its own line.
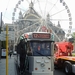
<point x="0" y="33"/>
<point x="6" y="49"/>
<point x="0" y="51"/>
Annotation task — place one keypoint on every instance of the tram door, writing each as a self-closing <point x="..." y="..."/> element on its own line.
<point x="41" y="60"/>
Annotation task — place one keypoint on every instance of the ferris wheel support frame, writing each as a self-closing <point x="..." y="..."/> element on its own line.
<point x="61" y="1"/>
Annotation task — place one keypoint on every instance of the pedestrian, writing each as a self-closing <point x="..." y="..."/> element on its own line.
<point x="22" y="52"/>
<point x="10" y="54"/>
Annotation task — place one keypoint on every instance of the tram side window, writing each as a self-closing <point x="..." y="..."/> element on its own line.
<point x="41" y="48"/>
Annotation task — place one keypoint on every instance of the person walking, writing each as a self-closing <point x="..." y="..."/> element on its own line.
<point x="22" y="51"/>
<point x="10" y="53"/>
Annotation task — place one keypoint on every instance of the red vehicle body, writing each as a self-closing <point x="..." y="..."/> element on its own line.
<point x="63" y="57"/>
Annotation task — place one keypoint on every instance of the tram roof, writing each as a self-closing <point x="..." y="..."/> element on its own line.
<point x="29" y="33"/>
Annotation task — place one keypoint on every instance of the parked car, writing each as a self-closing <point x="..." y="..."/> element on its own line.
<point x="14" y="53"/>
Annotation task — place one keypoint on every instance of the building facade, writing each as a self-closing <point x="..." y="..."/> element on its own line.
<point x="30" y="22"/>
<point x="11" y="36"/>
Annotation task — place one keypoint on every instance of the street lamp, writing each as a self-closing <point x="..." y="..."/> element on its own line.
<point x="0" y="31"/>
<point x="0" y="21"/>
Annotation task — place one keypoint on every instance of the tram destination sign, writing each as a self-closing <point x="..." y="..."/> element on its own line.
<point x="41" y="36"/>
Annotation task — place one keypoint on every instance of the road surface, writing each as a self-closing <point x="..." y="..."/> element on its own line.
<point x="12" y="67"/>
<point x="59" y="72"/>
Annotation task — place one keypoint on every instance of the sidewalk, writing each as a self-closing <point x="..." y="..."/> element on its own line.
<point x="11" y="66"/>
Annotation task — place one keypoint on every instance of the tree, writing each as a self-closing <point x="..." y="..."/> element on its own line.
<point x="73" y="35"/>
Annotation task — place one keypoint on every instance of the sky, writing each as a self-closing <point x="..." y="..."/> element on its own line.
<point x="7" y="6"/>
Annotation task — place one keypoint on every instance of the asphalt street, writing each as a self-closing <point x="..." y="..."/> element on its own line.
<point x="12" y="68"/>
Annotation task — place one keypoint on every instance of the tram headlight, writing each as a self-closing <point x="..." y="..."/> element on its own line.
<point x="42" y="64"/>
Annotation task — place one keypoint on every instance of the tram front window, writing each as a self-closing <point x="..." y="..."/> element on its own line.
<point x="41" y="48"/>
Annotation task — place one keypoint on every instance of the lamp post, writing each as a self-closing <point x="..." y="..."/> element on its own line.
<point x="0" y="32"/>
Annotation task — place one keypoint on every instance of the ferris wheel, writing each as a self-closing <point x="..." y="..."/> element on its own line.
<point x="58" y="10"/>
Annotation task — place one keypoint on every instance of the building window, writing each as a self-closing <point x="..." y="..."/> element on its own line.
<point x="55" y="31"/>
<point x="63" y="32"/>
<point x="59" y="31"/>
<point x="4" y="29"/>
<point x="9" y="29"/>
